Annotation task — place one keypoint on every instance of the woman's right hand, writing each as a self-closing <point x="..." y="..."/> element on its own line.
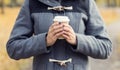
<point x="54" y="32"/>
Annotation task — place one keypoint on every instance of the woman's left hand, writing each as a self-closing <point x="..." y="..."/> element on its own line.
<point x="69" y="34"/>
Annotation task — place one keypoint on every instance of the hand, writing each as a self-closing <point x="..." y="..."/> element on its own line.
<point x="54" y="32"/>
<point x="69" y="34"/>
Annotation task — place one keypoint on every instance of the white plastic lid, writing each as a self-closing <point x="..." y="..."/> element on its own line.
<point x="61" y="19"/>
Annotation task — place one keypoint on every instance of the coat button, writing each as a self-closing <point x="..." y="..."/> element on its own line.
<point x="62" y="64"/>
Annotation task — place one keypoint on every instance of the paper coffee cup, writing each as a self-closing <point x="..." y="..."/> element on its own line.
<point x="61" y="19"/>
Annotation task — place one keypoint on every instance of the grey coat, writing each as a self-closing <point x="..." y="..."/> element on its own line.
<point x="28" y="37"/>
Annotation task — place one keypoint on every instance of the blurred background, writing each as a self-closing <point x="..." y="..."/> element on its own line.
<point x="110" y="11"/>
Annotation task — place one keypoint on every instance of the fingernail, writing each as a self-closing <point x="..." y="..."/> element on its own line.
<point x="59" y="22"/>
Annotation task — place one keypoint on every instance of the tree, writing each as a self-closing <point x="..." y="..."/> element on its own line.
<point x="2" y="6"/>
<point x="111" y="3"/>
<point x="108" y="2"/>
<point x="13" y="3"/>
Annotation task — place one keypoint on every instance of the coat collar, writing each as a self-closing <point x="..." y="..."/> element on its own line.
<point x="51" y="2"/>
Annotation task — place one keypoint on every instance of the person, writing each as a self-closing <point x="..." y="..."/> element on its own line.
<point x="2" y="6"/>
<point x="35" y="34"/>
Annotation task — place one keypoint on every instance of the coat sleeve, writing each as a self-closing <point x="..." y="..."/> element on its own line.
<point x="22" y="42"/>
<point x="95" y="42"/>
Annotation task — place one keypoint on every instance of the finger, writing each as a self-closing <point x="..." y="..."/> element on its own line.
<point x="57" y="31"/>
<point x="67" y="29"/>
<point x="67" y="25"/>
<point x="66" y="36"/>
<point x="54" y="32"/>
<point x="52" y="37"/>
<point x="58" y="34"/>
<point x="67" y="33"/>
<point x="54" y="24"/>
<point x="70" y="35"/>
<point x="56" y="27"/>
<point x="51" y="27"/>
